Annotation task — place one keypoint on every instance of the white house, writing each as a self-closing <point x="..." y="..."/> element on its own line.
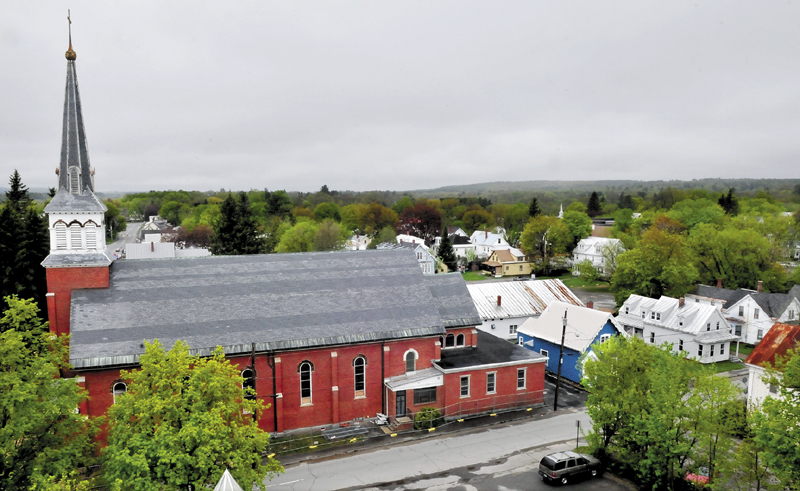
<point x="780" y="339"/>
<point x="752" y="313"/>
<point x="357" y="242"/>
<point x="427" y="262"/>
<point x="486" y="242"/>
<point x="505" y="305"/>
<point x="698" y="329"/>
<point x="410" y="239"/>
<point x="601" y="251"/>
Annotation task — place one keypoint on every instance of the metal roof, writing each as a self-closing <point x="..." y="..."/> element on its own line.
<point x="518" y="298"/>
<point x="583" y="325"/>
<point x="227" y="483"/>
<point x="272" y="301"/>
<point x="776" y="342"/>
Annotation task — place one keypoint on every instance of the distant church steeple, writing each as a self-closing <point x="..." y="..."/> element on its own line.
<point x="76" y="216"/>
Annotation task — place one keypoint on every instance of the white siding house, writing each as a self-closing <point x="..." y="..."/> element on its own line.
<point x="697" y="329"/>
<point x="505" y="305"/>
<point x="598" y="250"/>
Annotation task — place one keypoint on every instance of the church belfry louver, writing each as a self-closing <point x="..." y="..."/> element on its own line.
<point x="76" y="215"/>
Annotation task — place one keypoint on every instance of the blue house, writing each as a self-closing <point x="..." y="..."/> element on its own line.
<point x="585" y="327"/>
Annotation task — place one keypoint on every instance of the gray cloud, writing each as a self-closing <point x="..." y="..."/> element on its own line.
<point x="404" y="95"/>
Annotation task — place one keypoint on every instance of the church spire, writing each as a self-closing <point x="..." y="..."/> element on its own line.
<point x="70" y="53"/>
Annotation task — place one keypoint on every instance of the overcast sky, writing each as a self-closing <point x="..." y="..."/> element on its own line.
<point x="403" y="95"/>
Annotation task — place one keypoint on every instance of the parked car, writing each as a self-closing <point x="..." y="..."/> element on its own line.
<point x="566" y="466"/>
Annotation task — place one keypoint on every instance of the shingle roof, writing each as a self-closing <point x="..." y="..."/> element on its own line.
<point x="518" y="298"/>
<point x="776" y="342"/>
<point x="773" y="304"/>
<point x="277" y="301"/>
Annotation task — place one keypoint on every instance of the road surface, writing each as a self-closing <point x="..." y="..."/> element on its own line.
<point x="127" y="236"/>
<point x="504" y="457"/>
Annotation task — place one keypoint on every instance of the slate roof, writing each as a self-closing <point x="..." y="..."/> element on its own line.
<point x="776" y="342"/>
<point x="518" y="298"/>
<point x="773" y="304"/>
<point x="74" y="152"/>
<point x="76" y="260"/>
<point x="277" y="301"/>
<point x="491" y="350"/>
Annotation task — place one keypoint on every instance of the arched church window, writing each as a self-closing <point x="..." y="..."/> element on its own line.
<point x="75" y="238"/>
<point x="118" y="389"/>
<point x="411" y="361"/>
<point x="460" y="340"/>
<point x="359" y="372"/>
<point x="249" y="382"/>
<point x="91" y="236"/>
<point x="305" y="369"/>
<point x="449" y="341"/>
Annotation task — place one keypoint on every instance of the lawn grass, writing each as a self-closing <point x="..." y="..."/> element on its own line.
<point x="725" y="366"/>
<point x="744" y="349"/>
<point x="473" y="276"/>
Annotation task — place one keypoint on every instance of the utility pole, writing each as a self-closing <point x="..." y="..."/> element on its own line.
<point x="560" y="359"/>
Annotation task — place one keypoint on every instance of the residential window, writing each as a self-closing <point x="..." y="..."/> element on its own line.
<point x="520" y="267"/>
<point x="359" y="374"/>
<point x="520" y="378"/>
<point x="717" y="326"/>
<point x="722" y="349"/>
<point x="305" y="369"/>
<point x="680" y="321"/>
<point x="604" y="337"/>
<point x="696" y="300"/>
<point x="652" y="316"/>
<point x="700" y="350"/>
<point x="490" y="382"/>
<point x="773" y="389"/>
<point x="741" y="310"/>
<point x="512" y="329"/>
<point x="465" y="386"/>
<point x="425" y="396"/>
<point x="249" y="383"/>
<point x="755" y="314"/>
<point x="627" y="310"/>
<point x="680" y="345"/>
<point x="712" y="350"/>
<point x="644" y="314"/>
<point x="449" y="341"/>
<point x="460" y="340"/>
<point x="520" y="341"/>
<point x="411" y="361"/>
<point x="708" y="326"/>
<point x="737" y="330"/>
<point x="760" y="334"/>
<point x="543" y="352"/>
<point x="791" y="314"/>
<point x="652" y="338"/>
<point x="713" y="303"/>
<point x="118" y="389"/>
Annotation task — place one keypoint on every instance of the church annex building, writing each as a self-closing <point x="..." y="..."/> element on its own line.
<point x="323" y="337"/>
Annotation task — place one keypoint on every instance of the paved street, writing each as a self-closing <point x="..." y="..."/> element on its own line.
<point x="128" y="236"/>
<point x="501" y="457"/>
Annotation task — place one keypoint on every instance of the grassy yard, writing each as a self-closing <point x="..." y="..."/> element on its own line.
<point x="578" y="282"/>
<point x="473" y="276"/>
<point x="726" y="366"/>
<point x="744" y="350"/>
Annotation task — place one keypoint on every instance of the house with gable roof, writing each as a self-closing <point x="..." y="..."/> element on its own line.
<point x="752" y="313"/>
<point x="598" y="250"/>
<point x="585" y="327"/>
<point x="777" y="342"/>
<point x="505" y="305"/>
<point x="486" y="242"/>
<point x="701" y="331"/>
<point x="508" y="261"/>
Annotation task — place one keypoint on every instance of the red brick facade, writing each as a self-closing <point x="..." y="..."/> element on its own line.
<point x="60" y="283"/>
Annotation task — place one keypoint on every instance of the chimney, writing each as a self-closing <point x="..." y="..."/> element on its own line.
<point x="498" y="300"/>
<point x="681" y="301"/>
<point x="152" y="247"/>
<point x="719" y="282"/>
<point x="589" y="304"/>
<point x="487" y="233"/>
<point x="760" y="286"/>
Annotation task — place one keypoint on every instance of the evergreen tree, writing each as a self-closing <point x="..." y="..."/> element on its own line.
<point x="729" y="203"/>
<point x="34" y="247"/>
<point x="236" y="230"/>
<point x="10" y="232"/>
<point x="534" y="210"/>
<point x="17" y="196"/>
<point x="446" y="252"/>
<point x="594" y="208"/>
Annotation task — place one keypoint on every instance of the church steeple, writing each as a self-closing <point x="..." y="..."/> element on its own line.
<point x="76" y="216"/>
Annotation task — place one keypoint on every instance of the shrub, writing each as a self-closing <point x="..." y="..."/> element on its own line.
<point x="427" y="417"/>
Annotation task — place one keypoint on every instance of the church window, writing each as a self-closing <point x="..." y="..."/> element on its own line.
<point x="359" y="369"/>
<point x="305" y="369"/>
<point x="249" y="383"/>
<point x="449" y="341"/>
<point x="61" y="236"/>
<point x="75" y="238"/>
<point x="118" y="389"/>
<point x="460" y="340"/>
<point x="411" y="361"/>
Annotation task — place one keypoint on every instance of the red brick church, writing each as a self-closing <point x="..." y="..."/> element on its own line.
<point x="323" y="337"/>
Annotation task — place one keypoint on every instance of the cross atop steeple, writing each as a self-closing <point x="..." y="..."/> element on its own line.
<point x="70" y="53"/>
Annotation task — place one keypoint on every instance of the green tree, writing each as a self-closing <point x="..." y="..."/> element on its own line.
<point x="385" y="235"/>
<point x="623" y="220"/>
<point x="534" y="210"/>
<point x="729" y="203"/>
<point x="33" y="248"/>
<point x="235" y="231"/>
<point x="777" y="425"/>
<point x="17" y="195"/>
<point x="41" y="435"/>
<point x="579" y="226"/>
<point x="299" y="238"/>
<point x="543" y="238"/>
<point x="279" y="204"/>
<point x="594" y="207"/>
<point x="175" y="212"/>
<point x="402" y="204"/>
<point x="327" y="211"/>
<point x="328" y="236"/>
<point x="693" y="212"/>
<point x="586" y="270"/>
<point x="374" y="217"/>
<point x="477" y="219"/>
<point x="446" y="253"/>
<point x="183" y="421"/>
<point x="115" y="222"/>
